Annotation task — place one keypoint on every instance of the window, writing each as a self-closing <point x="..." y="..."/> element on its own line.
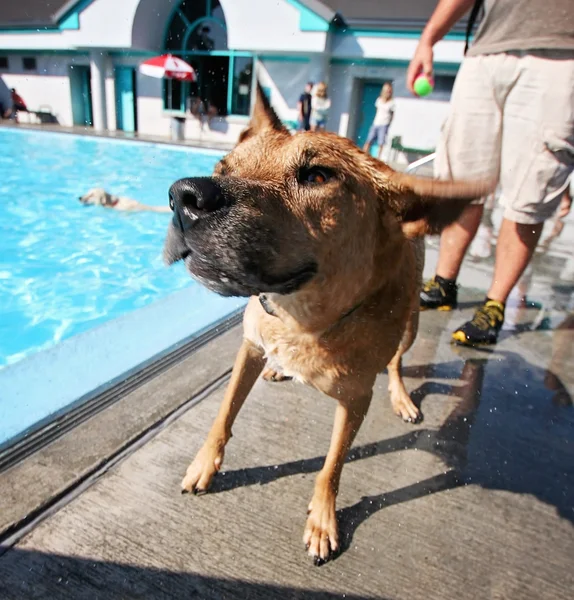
<point x="197" y="33"/>
<point x="242" y="78"/>
<point x="3" y="62"/>
<point x="29" y="63"/>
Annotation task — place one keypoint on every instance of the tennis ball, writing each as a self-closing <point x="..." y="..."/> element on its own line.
<point x="423" y="86"/>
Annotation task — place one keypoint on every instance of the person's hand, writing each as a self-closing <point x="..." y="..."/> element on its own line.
<point x="421" y="63"/>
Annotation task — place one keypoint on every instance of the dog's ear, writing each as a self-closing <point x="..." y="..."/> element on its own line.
<point x="425" y="206"/>
<point x="263" y="117"/>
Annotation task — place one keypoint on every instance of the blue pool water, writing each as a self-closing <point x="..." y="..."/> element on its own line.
<point x="66" y="268"/>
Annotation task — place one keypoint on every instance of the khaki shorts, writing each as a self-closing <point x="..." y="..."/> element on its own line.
<point x="512" y="116"/>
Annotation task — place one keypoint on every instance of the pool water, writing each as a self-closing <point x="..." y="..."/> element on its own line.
<point x="64" y="267"/>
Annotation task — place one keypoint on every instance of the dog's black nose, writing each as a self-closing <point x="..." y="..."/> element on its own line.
<point x="193" y="198"/>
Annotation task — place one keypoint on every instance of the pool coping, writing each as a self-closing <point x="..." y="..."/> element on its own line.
<point x="120" y="135"/>
<point x="48" y="383"/>
<point x="70" y="459"/>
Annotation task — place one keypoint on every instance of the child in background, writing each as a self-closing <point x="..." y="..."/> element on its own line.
<point x="320" y="105"/>
<point x="383" y="117"/>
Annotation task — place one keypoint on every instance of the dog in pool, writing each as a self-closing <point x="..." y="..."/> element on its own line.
<point x="99" y="197"/>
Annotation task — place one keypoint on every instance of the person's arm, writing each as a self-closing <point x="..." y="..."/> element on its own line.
<point x="300" y="107"/>
<point x="445" y="15"/>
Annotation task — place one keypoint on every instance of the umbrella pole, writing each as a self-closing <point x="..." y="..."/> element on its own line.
<point x="170" y="89"/>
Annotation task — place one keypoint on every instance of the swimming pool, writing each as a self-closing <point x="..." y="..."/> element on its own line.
<point x="66" y="268"/>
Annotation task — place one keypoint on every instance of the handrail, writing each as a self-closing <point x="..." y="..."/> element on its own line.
<point x="420" y="162"/>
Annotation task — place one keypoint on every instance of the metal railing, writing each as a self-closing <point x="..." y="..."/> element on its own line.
<point x="421" y="162"/>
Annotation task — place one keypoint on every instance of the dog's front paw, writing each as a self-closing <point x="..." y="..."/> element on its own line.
<point x="203" y="468"/>
<point x="273" y="375"/>
<point x="403" y="406"/>
<point x="321" y="537"/>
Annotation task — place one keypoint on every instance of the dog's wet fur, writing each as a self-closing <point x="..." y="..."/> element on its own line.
<point x="327" y="241"/>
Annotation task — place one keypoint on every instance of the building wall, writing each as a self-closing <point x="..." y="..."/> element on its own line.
<point x="417" y="121"/>
<point x="47" y="87"/>
<point x="264" y="26"/>
<point x="393" y="48"/>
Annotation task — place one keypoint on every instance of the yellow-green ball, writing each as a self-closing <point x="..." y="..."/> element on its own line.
<point x="422" y="86"/>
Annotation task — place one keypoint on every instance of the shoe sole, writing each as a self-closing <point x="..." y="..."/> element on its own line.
<point x="459" y="338"/>
<point x="442" y="308"/>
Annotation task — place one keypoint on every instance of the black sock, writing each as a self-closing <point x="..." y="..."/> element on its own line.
<point x="444" y="282"/>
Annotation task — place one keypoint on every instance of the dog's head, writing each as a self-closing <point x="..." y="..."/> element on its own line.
<point x="283" y="211"/>
<point x="97" y="196"/>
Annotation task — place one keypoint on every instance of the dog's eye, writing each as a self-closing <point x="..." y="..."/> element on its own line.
<point x="315" y="175"/>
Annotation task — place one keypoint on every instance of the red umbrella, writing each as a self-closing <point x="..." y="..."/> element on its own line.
<point x="168" y="66"/>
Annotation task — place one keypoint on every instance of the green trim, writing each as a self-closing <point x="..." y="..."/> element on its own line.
<point x="41" y="52"/>
<point x="72" y="21"/>
<point x="283" y="58"/>
<point x="69" y="21"/>
<point x="28" y="31"/>
<point x="381" y="62"/>
<point x="308" y="19"/>
<point x="388" y="33"/>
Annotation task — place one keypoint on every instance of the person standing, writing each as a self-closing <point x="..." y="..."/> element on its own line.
<point x="304" y="108"/>
<point x="320" y="105"/>
<point x="385" y="106"/>
<point x="511" y="118"/>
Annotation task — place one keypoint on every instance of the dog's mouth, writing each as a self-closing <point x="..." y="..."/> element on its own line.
<point x="229" y="281"/>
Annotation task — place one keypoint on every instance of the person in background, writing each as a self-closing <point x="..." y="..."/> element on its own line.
<point x="304" y="108"/>
<point x="6" y="104"/>
<point x="385" y="111"/>
<point x="320" y="105"/>
<point x="17" y="101"/>
<point x="517" y="78"/>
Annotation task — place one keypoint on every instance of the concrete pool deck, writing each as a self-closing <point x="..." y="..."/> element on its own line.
<point x="477" y="501"/>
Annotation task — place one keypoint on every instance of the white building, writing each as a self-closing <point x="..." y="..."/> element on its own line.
<point x="78" y="59"/>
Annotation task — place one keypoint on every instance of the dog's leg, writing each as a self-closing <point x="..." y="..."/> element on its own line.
<point x="321" y="536"/>
<point x="402" y="404"/>
<point x="248" y="365"/>
<point x="274" y="375"/>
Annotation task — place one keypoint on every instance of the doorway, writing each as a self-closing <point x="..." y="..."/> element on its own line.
<point x="126" y="109"/>
<point x="81" y="90"/>
<point x="369" y="94"/>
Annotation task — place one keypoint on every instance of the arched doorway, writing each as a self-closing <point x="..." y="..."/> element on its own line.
<point x="197" y="33"/>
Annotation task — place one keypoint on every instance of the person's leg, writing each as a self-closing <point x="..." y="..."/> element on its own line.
<point x="455" y="240"/>
<point x="370" y="139"/>
<point x="537" y="144"/>
<point x="536" y="159"/>
<point x="381" y="138"/>
<point x="514" y="249"/>
<point x="469" y="148"/>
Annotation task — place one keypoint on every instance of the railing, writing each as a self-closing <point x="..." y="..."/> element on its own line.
<point x="421" y="162"/>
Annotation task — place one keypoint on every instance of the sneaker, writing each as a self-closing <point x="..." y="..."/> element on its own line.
<point x="484" y="326"/>
<point x="439" y="293"/>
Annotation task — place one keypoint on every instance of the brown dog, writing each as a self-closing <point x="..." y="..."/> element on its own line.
<point x="321" y="236"/>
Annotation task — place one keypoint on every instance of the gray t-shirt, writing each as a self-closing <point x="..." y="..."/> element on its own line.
<point x="525" y="25"/>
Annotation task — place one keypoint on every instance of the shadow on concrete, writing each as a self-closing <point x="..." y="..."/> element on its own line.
<point x="91" y="579"/>
<point x="505" y="433"/>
